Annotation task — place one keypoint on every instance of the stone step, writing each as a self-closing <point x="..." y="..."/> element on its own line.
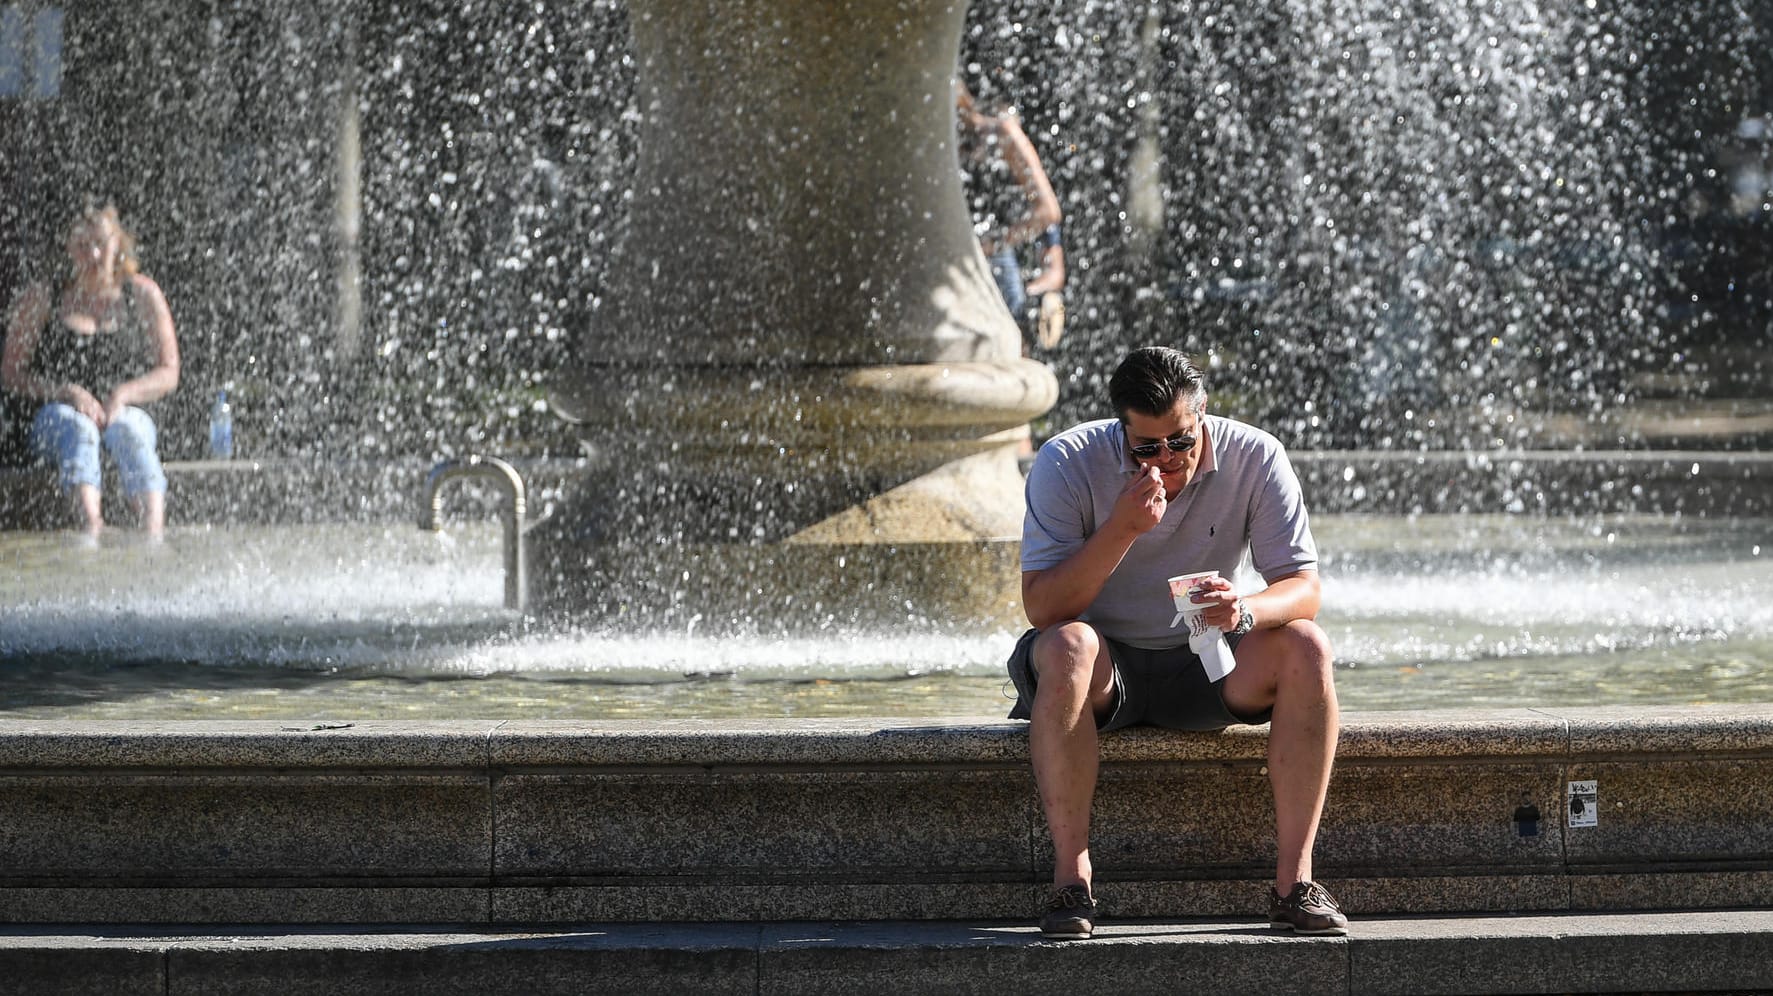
<point x="1725" y="951"/>
<point x="512" y="823"/>
<point x="1588" y="471"/>
<point x="283" y="491"/>
<point x="1741" y="424"/>
<point x="1721" y="370"/>
<point x="1541" y="482"/>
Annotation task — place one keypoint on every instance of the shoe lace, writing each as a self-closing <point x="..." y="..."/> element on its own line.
<point x="1317" y="895"/>
<point x="1069" y="897"/>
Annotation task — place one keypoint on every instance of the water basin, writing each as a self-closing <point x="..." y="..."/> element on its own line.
<point x="343" y="622"/>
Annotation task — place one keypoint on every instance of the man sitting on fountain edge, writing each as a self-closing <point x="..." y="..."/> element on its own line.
<point x="1115" y="508"/>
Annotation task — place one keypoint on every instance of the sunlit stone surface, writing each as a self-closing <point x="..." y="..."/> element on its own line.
<point x="802" y="391"/>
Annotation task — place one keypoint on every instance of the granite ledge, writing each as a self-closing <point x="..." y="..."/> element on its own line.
<point x="245" y="744"/>
<point x="1367" y="737"/>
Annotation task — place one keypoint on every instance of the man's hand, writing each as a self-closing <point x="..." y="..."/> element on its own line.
<point x="1221" y="603"/>
<point x="1141" y="503"/>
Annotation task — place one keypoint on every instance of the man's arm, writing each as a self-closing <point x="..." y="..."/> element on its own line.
<point x="1295" y="596"/>
<point x="1066" y="589"/>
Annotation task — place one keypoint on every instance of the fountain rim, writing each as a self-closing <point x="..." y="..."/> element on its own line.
<point x="1737" y="729"/>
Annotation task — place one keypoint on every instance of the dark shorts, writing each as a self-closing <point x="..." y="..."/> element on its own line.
<point x="1166" y="688"/>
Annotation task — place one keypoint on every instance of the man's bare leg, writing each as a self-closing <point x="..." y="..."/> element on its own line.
<point x="1075" y="684"/>
<point x="1290" y="669"/>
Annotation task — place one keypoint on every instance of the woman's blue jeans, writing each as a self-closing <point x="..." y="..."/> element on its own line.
<point x="71" y="441"/>
<point x="1006" y="269"/>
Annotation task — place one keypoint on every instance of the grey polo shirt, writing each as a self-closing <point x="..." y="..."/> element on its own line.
<point x="1244" y="498"/>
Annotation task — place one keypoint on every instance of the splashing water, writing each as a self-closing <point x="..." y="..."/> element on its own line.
<point x="1421" y="611"/>
<point x="1400" y="226"/>
<point x="1383" y="224"/>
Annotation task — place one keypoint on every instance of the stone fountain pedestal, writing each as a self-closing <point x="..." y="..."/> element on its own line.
<point x="801" y="390"/>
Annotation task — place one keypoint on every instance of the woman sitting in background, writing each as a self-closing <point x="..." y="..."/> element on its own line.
<point x="95" y="351"/>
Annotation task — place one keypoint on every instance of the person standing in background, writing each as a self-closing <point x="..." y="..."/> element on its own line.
<point x="1013" y="206"/>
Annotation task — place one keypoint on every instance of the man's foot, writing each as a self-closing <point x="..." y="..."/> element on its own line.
<point x="1070" y="913"/>
<point x="1308" y="909"/>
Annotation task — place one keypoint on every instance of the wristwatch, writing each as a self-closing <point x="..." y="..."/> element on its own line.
<point x="1245" y="621"/>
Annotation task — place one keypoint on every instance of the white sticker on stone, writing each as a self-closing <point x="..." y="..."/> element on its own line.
<point x="1584" y="804"/>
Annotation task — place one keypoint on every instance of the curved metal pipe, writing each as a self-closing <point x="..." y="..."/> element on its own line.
<point x="511" y="483"/>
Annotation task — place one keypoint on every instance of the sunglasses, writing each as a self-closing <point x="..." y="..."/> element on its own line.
<point x="1177" y="444"/>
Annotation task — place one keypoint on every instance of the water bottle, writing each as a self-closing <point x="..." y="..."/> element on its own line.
<point x="221" y="427"/>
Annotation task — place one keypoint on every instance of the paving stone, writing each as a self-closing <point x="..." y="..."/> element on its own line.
<point x="1728" y="951"/>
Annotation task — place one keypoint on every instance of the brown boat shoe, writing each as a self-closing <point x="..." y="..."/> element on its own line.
<point x="1307" y="909"/>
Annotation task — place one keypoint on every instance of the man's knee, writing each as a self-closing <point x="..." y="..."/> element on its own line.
<point x="1066" y="652"/>
<point x="1305" y="650"/>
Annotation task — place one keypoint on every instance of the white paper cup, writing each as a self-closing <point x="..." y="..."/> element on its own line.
<point x="1181" y="587"/>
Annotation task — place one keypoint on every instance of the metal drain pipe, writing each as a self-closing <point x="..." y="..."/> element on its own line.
<point x="511" y="483"/>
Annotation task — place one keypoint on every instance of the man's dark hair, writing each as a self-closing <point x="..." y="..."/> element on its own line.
<point x="1151" y="380"/>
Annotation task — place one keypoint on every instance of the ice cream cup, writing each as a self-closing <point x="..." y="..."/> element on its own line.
<point x="1183" y="585"/>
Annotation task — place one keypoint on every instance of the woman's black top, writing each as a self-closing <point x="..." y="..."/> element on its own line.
<point x="117" y="352"/>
